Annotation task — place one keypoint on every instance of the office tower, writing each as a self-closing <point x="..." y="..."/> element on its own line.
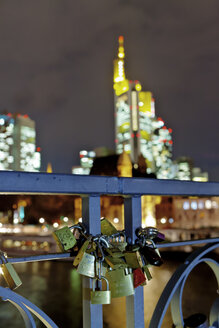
<point x="86" y="161"/>
<point x="137" y="130"/>
<point x="18" y="150"/>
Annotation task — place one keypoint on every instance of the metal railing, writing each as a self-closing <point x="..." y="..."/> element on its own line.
<point x="90" y="188"/>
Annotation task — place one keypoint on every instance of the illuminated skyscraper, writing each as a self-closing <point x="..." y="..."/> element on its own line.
<point x="18" y="143"/>
<point x="137" y="130"/>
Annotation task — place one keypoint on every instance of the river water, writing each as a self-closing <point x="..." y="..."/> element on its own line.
<point x="55" y="287"/>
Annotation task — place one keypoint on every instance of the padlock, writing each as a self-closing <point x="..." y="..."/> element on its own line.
<point x="82" y="250"/>
<point x="100" y="296"/>
<point x="64" y="238"/>
<point x="151" y="256"/>
<point x="120" y="282"/>
<point x="147" y="272"/>
<point x="86" y="266"/>
<point x="107" y="228"/>
<point x="133" y="259"/>
<point x="10" y="275"/>
<point x="115" y="261"/>
<point x="114" y="252"/>
<point x="120" y="241"/>
<point x="159" y="238"/>
<point x="138" y="277"/>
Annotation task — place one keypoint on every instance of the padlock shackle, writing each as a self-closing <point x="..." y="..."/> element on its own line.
<point x="78" y="226"/>
<point x="101" y="278"/>
<point x="148" y="232"/>
<point x="100" y="259"/>
<point x="152" y="242"/>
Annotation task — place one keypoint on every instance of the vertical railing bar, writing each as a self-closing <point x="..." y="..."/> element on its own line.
<point x="92" y="313"/>
<point x="134" y="303"/>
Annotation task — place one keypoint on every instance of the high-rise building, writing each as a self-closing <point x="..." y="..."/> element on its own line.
<point x="18" y="150"/>
<point x="137" y="130"/>
<point x="86" y="161"/>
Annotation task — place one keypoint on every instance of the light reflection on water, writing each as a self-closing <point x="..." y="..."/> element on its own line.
<point x="56" y="289"/>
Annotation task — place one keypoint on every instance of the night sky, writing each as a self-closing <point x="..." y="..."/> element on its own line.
<point x="56" y="65"/>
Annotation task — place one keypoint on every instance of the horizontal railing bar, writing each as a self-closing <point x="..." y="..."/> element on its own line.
<point x="188" y="242"/>
<point x="37" y="258"/>
<point x="12" y="182"/>
<point x="58" y="256"/>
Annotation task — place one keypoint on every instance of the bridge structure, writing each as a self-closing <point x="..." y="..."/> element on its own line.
<point x="90" y="188"/>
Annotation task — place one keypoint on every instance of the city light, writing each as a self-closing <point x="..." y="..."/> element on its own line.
<point x="116" y="220"/>
<point x="65" y="219"/>
<point x="41" y="220"/>
<point x="163" y="220"/>
<point x="55" y="224"/>
<point x="150" y="221"/>
<point x="208" y="204"/>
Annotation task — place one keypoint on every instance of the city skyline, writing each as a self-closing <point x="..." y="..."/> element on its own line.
<point x="60" y="72"/>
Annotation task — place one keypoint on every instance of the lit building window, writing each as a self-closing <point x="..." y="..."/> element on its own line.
<point x="186" y="205"/>
<point x="194" y="205"/>
<point x="208" y="204"/>
<point x="201" y="205"/>
<point x="214" y="204"/>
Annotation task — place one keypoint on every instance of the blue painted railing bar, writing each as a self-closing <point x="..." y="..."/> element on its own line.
<point x="92" y="314"/>
<point x="188" y="242"/>
<point x="173" y="287"/>
<point x="134" y="303"/>
<point x="43" y="183"/>
<point x="61" y="256"/>
<point x="90" y="188"/>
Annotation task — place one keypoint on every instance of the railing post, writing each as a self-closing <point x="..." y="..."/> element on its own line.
<point x="92" y="314"/>
<point x="134" y="303"/>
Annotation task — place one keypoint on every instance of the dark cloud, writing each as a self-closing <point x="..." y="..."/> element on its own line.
<point x="56" y="65"/>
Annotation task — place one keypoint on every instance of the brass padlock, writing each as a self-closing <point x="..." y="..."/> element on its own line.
<point x="100" y="296"/>
<point x="121" y="282"/>
<point x="147" y="272"/>
<point x="115" y="261"/>
<point x="64" y="238"/>
<point x="107" y="228"/>
<point x="133" y="259"/>
<point x="10" y="275"/>
<point x="82" y="250"/>
<point x="86" y="266"/>
<point x="120" y="243"/>
<point x="114" y="252"/>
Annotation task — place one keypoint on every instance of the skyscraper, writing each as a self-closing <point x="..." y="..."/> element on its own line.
<point x="137" y="130"/>
<point x="18" y="143"/>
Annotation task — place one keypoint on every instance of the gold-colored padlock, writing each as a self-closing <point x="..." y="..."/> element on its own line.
<point x="64" y="238"/>
<point x="114" y="252"/>
<point x="133" y="259"/>
<point x="101" y="296"/>
<point x="120" y="282"/>
<point x="115" y="262"/>
<point x="86" y="266"/>
<point x="107" y="228"/>
<point x="81" y="252"/>
<point x="147" y="272"/>
<point x="10" y="275"/>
